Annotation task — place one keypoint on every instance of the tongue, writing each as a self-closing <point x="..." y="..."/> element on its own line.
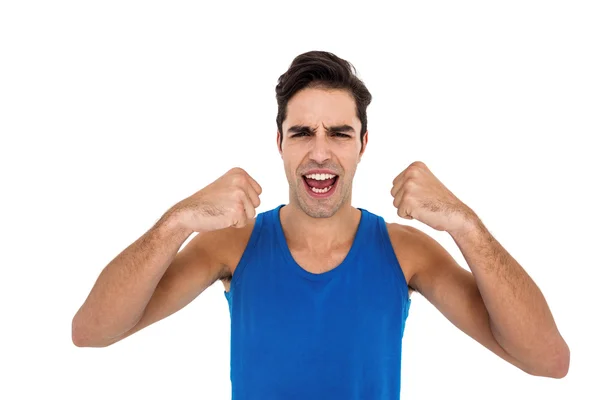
<point x="320" y="184"/>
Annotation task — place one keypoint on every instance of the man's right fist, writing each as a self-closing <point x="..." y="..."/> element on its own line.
<point x="229" y="201"/>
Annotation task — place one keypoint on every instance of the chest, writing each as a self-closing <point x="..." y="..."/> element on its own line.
<point x="355" y="317"/>
<point x="320" y="262"/>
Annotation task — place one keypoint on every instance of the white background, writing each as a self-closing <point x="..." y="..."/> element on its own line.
<point x="111" y="112"/>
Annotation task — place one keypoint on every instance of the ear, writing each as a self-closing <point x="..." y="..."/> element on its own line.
<point x="364" y="145"/>
<point x="278" y="141"/>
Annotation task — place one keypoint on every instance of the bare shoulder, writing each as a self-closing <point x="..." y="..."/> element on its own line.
<point x="226" y="247"/>
<point x="414" y="249"/>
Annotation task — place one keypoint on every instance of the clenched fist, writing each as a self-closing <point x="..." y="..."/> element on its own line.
<point x="418" y="194"/>
<point x="230" y="201"/>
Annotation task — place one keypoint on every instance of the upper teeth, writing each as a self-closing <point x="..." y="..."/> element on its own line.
<point x="320" y="177"/>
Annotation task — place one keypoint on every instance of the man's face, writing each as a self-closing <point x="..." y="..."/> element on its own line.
<point x="321" y="149"/>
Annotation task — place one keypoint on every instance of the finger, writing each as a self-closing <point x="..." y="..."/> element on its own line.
<point x="404" y="211"/>
<point x="254" y="184"/>
<point x="398" y="198"/>
<point x="402" y="204"/>
<point x="399" y="177"/>
<point x="253" y="196"/>
<point x="248" y="207"/>
<point x="398" y="184"/>
<point x="244" y="210"/>
<point x="404" y="215"/>
<point x="395" y="189"/>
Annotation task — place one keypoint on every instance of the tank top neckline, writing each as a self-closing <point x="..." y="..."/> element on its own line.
<point x="354" y="248"/>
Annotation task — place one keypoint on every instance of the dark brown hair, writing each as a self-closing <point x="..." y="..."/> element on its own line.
<point x="320" y="69"/>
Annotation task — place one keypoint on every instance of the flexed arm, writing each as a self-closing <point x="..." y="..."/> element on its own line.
<point x="497" y="303"/>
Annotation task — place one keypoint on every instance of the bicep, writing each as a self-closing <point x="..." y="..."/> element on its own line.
<point x="453" y="291"/>
<point x="192" y="271"/>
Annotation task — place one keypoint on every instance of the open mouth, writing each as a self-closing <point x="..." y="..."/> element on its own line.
<point x="320" y="185"/>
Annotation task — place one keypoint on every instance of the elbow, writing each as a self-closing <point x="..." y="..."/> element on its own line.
<point x="556" y="366"/>
<point x="559" y="368"/>
<point x="81" y="337"/>
<point x="77" y="335"/>
<point x="81" y="341"/>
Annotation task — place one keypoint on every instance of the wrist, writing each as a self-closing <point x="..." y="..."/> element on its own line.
<point x="469" y="225"/>
<point x="173" y="223"/>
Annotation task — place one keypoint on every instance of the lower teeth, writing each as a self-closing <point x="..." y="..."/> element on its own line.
<point x="325" y="190"/>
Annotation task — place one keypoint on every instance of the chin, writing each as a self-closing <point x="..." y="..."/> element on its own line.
<point x="319" y="212"/>
<point x="320" y="208"/>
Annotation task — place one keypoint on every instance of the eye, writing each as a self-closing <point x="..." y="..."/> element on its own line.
<point x="343" y="135"/>
<point x="299" y="134"/>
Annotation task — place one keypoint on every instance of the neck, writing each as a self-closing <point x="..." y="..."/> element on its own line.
<point x="304" y="231"/>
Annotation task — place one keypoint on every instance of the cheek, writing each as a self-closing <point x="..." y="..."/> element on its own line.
<point x="291" y="157"/>
<point x="290" y="166"/>
<point x="350" y="155"/>
<point x="350" y="164"/>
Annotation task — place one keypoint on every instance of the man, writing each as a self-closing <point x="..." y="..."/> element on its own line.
<point x="318" y="290"/>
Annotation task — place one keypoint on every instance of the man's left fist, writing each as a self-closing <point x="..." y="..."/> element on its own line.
<point x="419" y="195"/>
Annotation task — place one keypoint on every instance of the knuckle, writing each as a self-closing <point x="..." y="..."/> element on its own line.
<point x="238" y="172"/>
<point x="239" y="180"/>
<point x="415" y="169"/>
<point x="238" y="192"/>
<point x="236" y="180"/>
<point x="414" y="172"/>
<point x="238" y="209"/>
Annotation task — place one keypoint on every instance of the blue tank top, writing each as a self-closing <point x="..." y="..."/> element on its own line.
<point x="333" y="335"/>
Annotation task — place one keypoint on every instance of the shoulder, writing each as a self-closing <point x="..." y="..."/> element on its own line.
<point x="406" y="238"/>
<point x="224" y="247"/>
<point x="415" y="250"/>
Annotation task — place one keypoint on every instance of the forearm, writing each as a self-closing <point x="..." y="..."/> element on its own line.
<point x="123" y="289"/>
<point x="520" y="318"/>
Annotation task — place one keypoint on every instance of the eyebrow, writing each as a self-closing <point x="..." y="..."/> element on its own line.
<point x="307" y="129"/>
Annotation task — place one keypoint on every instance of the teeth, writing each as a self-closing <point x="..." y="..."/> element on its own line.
<point x="325" y="190"/>
<point x="320" y="177"/>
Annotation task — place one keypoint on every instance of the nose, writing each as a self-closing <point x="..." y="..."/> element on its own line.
<point x="320" y="151"/>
